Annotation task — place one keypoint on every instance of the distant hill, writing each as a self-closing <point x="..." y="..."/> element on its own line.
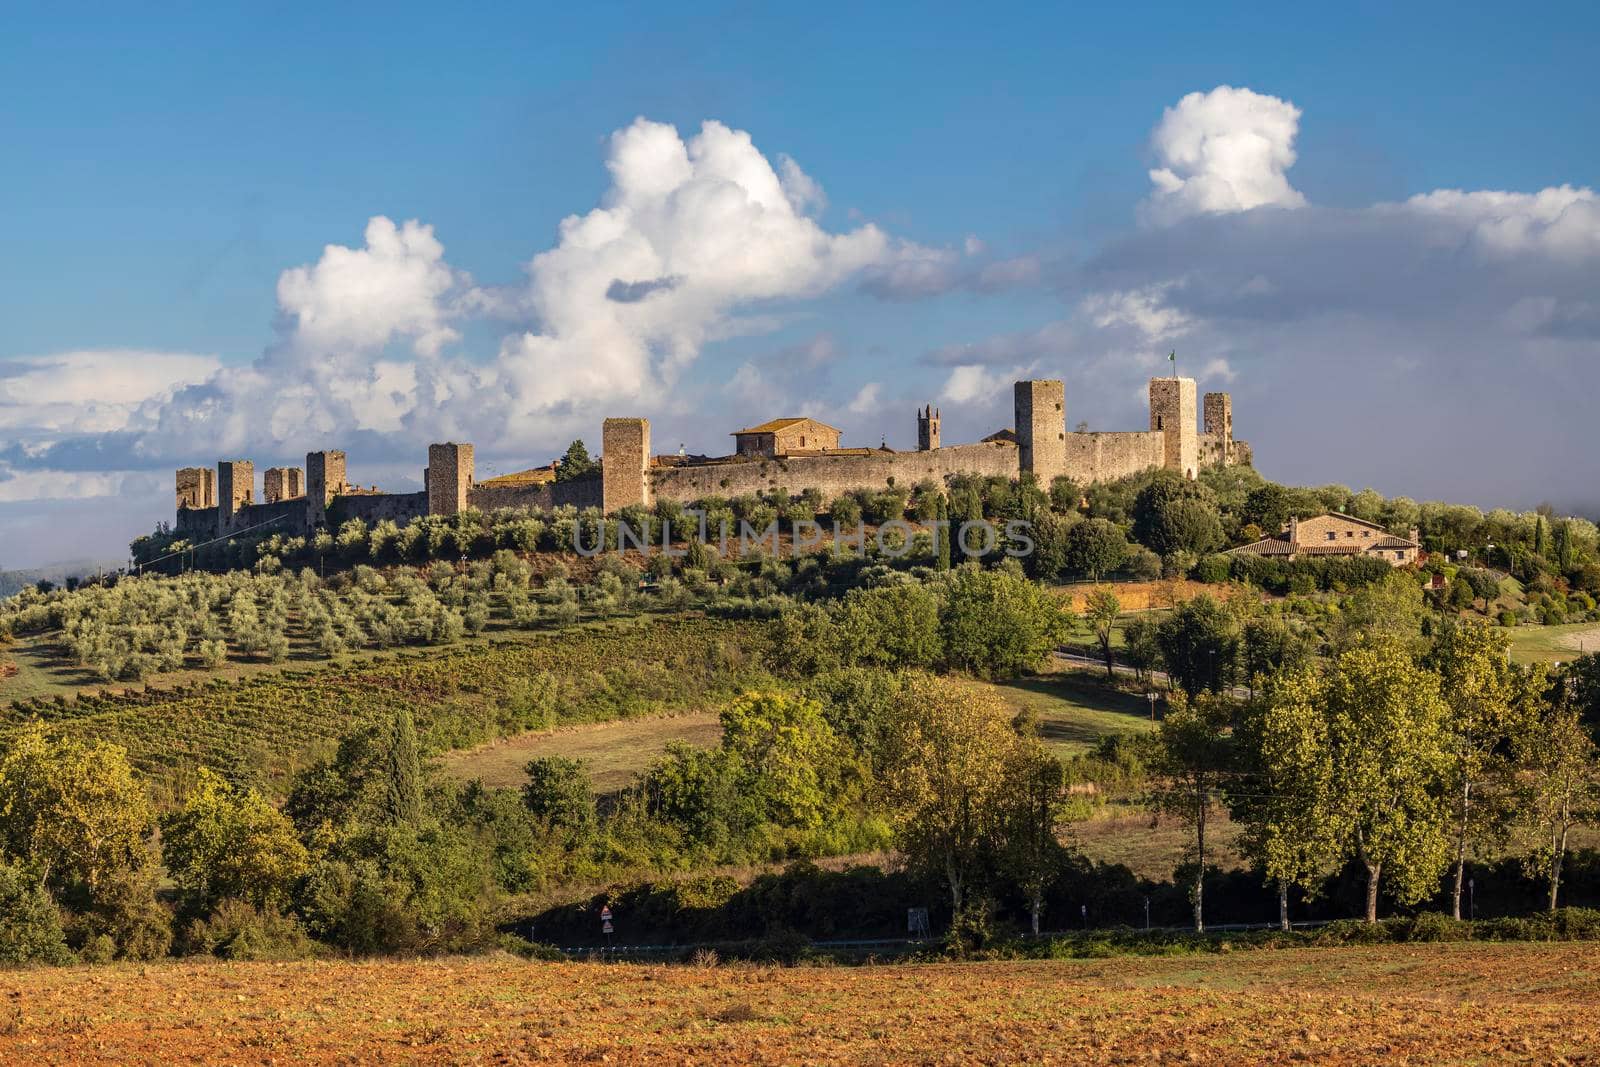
<point x="16" y="581"/>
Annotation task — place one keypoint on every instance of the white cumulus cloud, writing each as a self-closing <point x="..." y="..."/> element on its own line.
<point x="1223" y="151"/>
<point x="689" y="232"/>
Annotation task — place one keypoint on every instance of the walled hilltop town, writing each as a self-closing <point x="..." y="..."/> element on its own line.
<point x="791" y="453"/>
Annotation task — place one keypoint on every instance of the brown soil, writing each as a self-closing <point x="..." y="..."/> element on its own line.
<point x="1414" y="1004"/>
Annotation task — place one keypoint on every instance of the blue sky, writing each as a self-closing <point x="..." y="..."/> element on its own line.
<point x="164" y="170"/>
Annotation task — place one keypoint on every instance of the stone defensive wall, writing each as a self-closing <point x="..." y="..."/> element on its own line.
<point x="1184" y="435"/>
<point x="582" y="492"/>
<point x="830" y="475"/>
<point x="1107" y="456"/>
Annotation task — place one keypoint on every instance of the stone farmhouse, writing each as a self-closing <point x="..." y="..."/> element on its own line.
<point x="790" y="453"/>
<point x="1335" y="535"/>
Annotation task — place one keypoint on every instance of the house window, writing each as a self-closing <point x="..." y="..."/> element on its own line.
<point x="1366" y="533"/>
<point x="1332" y="535"/>
<point x="1349" y="533"/>
<point x="1158" y="422"/>
<point x="802" y="441"/>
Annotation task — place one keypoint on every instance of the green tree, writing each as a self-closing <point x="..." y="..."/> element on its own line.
<point x="892" y="626"/>
<point x="403" y="795"/>
<point x="1386" y="732"/>
<point x="1391" y="610"/>
<point x="1141" y="647"/>
<point x="560" y="793"/>
<point x="1031" y="853"/>
<point x="226" y="842"/>
<point x="575" y="463"/>
<point x="1095" y="547"/>
<point x="1193" y="756"/>
<point x="1267" y="506"/>
<point x="998" y="624"/>
<point x="1065" y="493"/>
<point x="787" y="758"/>
<point x="1200" y="645"/>
<point x="1565" y="554"/>
<point x="1559" y="788"/>
<point x="1487" y="701"/>
<point x="695" y="791"/>
<point x="943" y="535"/>
<point x="946" y="783"/>
<point x="1286" y="799"/>
<point x="1172" y="514"/>
<point x="72" y="811"/>
<point x="1101" y="609"/>
<point x="30" y="922"/>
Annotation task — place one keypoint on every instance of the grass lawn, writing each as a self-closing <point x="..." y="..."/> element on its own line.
<point x="1074" y="710"/>
<point x="1554" y="644"/>
<point x="1416" y="1004"/>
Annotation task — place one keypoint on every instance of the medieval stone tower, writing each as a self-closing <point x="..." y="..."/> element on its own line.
<point x="625" y="463"/>
<point x="1172" y="414"/>
<point x="928" y="429"/>
<point x="1041" y="421"/>
<point x="281" y="483"/>
<point x="450" y="470"/>
<point x="324" y="481"/>
<point x="1217" y="422"/>
<point x="197" y="488"/>
<point x="236" y="487"/>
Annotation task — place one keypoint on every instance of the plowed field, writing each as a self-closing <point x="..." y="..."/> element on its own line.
<point x="1398" y="1004"/>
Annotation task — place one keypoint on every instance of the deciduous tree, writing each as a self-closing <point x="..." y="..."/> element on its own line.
<point x="1193" y="756"/>
<point x="1100" y="609"/>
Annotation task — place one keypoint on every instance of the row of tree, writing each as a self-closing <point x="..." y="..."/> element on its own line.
<point x="1408" y="764"/>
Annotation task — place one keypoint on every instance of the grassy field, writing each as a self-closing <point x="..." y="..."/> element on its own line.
<point x="1415" y="1004"/>
<point x="1554" y="644"/>
<point x="1073" y="711"/>
<point x="614" y="751"/>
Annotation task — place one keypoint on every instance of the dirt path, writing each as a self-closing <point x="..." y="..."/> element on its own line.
<point x="615" y="751"/>
<point x="1413" y="1004"/>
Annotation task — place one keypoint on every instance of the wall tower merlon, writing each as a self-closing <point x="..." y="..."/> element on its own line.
<point x="450" y="473"/>
<point x="1041" y="427"/>
<point x="1173" y="405"/>
<point x="624" y="464"/>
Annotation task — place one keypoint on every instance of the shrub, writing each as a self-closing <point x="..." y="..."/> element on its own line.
<point x="30" y="925"/>
<point x="237" y="930"/>
<point x="1508" y="618"/>
<point x="1433" y="926"/>
<point x="1213" y="569"/>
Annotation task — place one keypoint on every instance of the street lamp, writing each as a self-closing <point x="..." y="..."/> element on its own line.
<point x="1151" y="696"/>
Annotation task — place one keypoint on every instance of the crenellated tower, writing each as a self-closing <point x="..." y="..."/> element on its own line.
<point x="450" y="472"/>
<point x="1172" y="414"/>
<point x="1041" y="421"/>
<point x="928" y="429"/>
<point x="325" y="474"/>
<point x="236" y="488"/>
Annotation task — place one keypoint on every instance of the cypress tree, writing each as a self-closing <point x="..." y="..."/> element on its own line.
<point x="404" y="794"/>
<point x="1538" y="535"/>
<point x="942" y="535"/>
